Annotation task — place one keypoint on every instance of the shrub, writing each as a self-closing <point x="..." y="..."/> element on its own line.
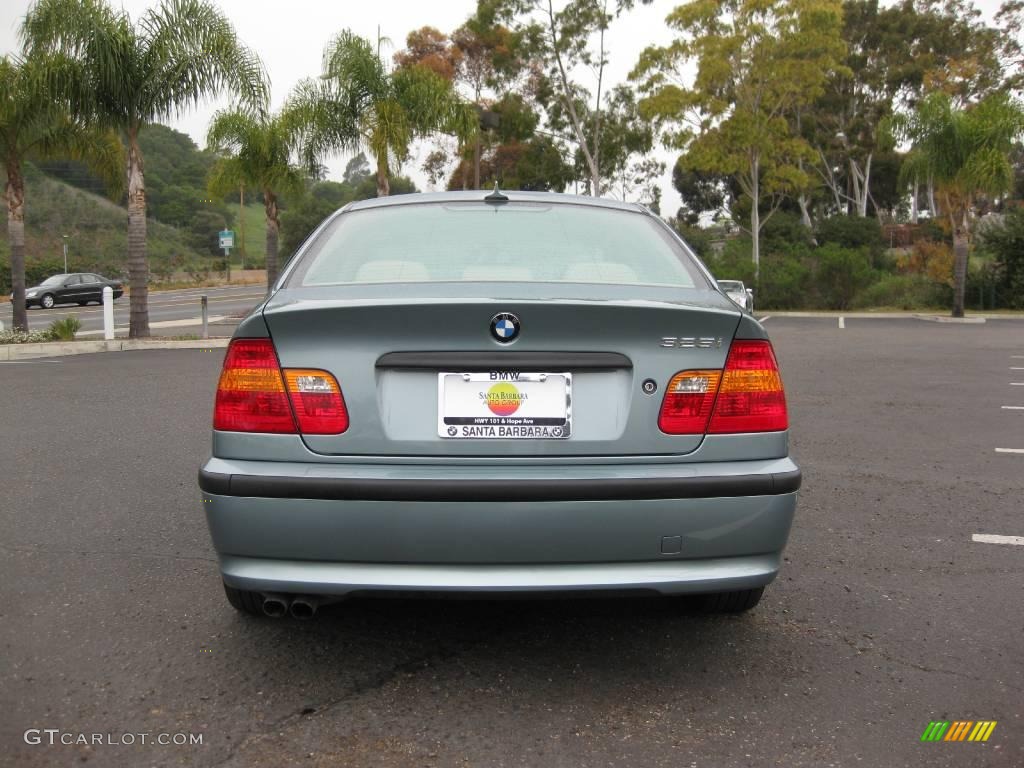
<point x="697" y="238"/>
<point x="733" y="262"/>
<point x="853" y="232"/>
<point x="65" y="328"/>
<point x="841" y="273"/>
<point x="785" y="280"/>
<point x="1005" y="242"/>
<point x="903" y="292"/>
<point x="26" y="337"/>
<point x="931" y="259"/>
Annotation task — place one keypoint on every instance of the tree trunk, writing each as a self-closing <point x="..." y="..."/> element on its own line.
<point x="913" y="201"/>
<point x="933" y="209"/>
<point x="862" y="208"/>
<point x="15" y="196"/>
<point x="755" y="214"/>
<point x="383" y="187"/>
<point x="566" y="96"/>
<point x="138" y="266"/>
<point x="960" y="252"/>
<point x="273" y="229"/>
<point x="476" y="161"/>
<point x="755" y="237"/>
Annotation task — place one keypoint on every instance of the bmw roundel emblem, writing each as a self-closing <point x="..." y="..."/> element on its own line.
<point x="505" y="327"/>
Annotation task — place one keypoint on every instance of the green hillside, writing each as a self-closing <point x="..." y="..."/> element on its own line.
<point x="255" y="235"/>
<point x="98" y="234"/>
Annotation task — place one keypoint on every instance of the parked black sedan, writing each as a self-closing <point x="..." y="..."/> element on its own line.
<point x="76" y="288"/>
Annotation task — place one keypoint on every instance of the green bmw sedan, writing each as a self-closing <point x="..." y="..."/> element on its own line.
<point x="497" y="393"/>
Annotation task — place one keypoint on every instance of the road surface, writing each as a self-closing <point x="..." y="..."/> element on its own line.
<point x="171" y="313"/>
<point x="888" y="614"/>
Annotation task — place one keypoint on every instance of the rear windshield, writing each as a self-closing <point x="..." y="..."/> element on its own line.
<point x="520" y="242"/>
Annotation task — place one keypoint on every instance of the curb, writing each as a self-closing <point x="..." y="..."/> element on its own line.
<point x="62" y="348"/>
<point x="972" y="318"/>
<point x="943" y="319"/>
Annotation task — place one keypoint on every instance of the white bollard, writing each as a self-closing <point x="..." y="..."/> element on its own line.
<point x="108" y="313"/>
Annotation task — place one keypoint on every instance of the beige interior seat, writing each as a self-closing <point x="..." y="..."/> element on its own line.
<point x="392" y="271"/>
<point x="600" y="272"/>
<point x="486" y="272"/>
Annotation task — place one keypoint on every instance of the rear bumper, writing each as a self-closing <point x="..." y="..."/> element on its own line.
<point x="454" y="489"/>
<point x="341" y="528"/>
<point x="667" y="578"/>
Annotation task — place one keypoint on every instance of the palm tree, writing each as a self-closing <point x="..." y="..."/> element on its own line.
<point x="967" y="153"/>
<point x="257" y="150"/>
<point x="179" y="53"/>
<point x="34" y="122"/>
<point x="359" y="102"/>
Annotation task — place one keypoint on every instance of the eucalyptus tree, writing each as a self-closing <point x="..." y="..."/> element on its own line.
<point x="179" y="53"/>
<point x="757" y="63"/>
<point x="258" y="150"/>
<point x="966" y="150"/>
<point x="35" y="123"/>
<point x="564" y="40"/>
<point x="359" y="103"/>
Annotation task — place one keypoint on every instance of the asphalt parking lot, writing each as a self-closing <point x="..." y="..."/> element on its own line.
<point x="887" y="615"/>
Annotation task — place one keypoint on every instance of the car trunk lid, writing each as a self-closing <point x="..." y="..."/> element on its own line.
<point x="389" y="354"/>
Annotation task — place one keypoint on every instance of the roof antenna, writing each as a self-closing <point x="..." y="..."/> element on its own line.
<point x="497" y="196"/>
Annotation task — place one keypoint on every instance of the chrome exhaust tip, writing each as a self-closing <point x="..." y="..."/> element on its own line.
<point x="304" y="607"/>
<point x="275" y="606"/>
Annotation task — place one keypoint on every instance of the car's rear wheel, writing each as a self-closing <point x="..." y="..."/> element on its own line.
<point x="47" y="301"/>
<point x="245" y="601"/>
<point x="83" y="303"/>
<point x="729" y="602"/>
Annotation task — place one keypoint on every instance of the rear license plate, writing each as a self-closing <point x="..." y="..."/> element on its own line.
<point x="506" y="405"/>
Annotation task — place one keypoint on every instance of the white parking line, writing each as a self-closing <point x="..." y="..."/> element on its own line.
<point x="766" y="317"/>
<point x="1013" y="407"/>
<point x="1009" y="450"/>
<point x="842" y="322"/>
<point x="1017" y="383"/>
<point x="1016" y="369"/>
<point x="991" y="538"/>
<point x="27" y="362"/>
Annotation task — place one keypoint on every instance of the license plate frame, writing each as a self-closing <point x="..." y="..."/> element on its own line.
<point x="465" y="412"/>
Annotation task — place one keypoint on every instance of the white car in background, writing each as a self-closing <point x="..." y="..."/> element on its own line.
<point x="739" y="293"/>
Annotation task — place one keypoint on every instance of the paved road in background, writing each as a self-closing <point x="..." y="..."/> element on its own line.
<point x="885" y="617"/>
<point x="171" y="313"/>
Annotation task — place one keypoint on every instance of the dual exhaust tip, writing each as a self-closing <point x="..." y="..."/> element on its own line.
<point x="299" y="607"/>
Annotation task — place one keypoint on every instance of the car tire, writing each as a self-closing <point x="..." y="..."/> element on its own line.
<point x="83" y="303"/>
<point x="729" y="602"/>
<point x="244" y="601"/>
<point x="47" y="301"/>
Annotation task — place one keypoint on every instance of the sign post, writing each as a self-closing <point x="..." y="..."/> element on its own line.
<point x="226" y="238"/>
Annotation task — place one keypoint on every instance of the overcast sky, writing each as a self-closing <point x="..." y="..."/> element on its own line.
<point x="290" y="37"/>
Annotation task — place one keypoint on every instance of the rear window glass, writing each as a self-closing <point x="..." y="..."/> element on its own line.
<point x="520" y="242"/>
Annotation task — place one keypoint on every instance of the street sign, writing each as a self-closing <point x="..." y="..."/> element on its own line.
<point x="227" y="238"/>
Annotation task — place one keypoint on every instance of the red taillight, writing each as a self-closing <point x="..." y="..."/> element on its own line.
<point x="750" y="398"/>
<point x="252" y="395"/>
<point x="688" y="402"/>
<point x="316" y="398"/>
<point x="746" y="397"/>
